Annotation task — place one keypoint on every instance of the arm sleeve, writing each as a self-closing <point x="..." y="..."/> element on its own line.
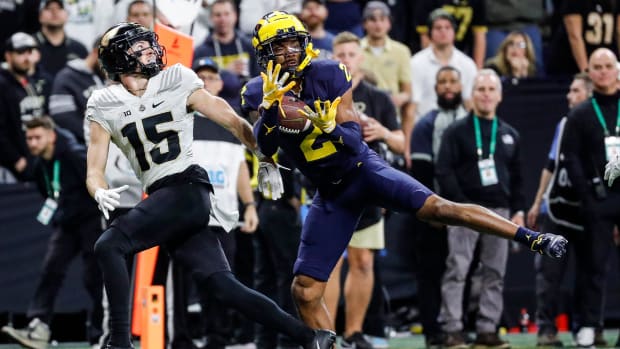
<point x="266" y="131"/>
<point x="446" y="163"/>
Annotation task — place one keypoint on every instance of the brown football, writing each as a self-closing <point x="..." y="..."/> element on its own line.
<point x="291" y="121"/>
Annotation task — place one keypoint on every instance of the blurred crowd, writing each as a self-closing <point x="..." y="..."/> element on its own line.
<point x="413" y="65"/>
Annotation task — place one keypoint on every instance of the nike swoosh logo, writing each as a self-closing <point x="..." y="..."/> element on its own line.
<point x="155" y="105"/>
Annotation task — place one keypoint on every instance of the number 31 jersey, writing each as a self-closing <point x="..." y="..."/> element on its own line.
<point x="154" y="131"/>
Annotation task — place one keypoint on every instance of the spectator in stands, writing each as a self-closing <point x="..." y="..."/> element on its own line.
<point x="60" y="173"/>
<point x="250" y="11"/>
<point x="18" y="16"/>
<point x="81" y="20"/>
<point x="587" y="25"/>
<point x="18" y="103"/>
<point x="313" y="14"/>
<point x="380" y="130"/>
<point x="40" y="79"/>
<point x="345" y="15"/>
<point x="389" y="60"/>
<point x="425" y="143"/>
<point x="515" y="57"/>
<point x="479" y="162"/>
<point x="470" y="23"/>
<point x="504" y="17"/>
<point x="141" y="12"/>
<point x="590" y="139"/>
<point x="56" y="47"/>
<point x="560" y="213"/>
<point x="71" y="89"/>
<point x="441" y="52"/>
<point x="229" y="48"/>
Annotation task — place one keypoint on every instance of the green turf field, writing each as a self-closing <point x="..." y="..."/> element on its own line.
<point x="413" y="342"/>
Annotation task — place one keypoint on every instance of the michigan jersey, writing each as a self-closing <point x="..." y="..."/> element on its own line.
<point x="154" y="131"/>
<point x="317" y="155"/>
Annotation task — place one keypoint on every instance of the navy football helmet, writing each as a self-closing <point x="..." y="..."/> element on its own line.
<point x="113" y="51"/>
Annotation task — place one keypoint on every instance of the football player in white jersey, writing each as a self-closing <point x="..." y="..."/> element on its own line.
<point x="149" y="116"/>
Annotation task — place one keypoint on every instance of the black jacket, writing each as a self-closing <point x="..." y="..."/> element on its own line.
<point x="457" y="165"/>
<point x="74" y="202"/>
<point x="17" y="105"/>
<point x="583" y="144"/>
<point x="70" y="91"/>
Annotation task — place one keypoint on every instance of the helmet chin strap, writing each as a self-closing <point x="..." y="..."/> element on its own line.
<point x="310" y="55"/>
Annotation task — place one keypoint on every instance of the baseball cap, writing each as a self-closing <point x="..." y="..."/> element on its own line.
<point x="321" y="2"/>
<point x="20" y="41"/>
<point x="205" y="62"/>
<point x="373" y="6"/>
<point x="46" y="3"/>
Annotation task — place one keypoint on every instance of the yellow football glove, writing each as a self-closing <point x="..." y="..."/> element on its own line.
<point x="324" y="114"/>
<point x="311" y="53"/>
<point x="274" y="89"/>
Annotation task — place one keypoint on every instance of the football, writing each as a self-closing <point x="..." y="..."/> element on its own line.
<point x="290" y="120"/>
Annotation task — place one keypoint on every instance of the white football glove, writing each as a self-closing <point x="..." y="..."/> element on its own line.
<point x="107" y="199"/>
<point x="612" y="170"/>
<point x="269" y="180"/>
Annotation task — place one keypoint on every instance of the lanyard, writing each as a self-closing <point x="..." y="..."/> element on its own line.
<point x="479" y="137"/>
<point x="599" y="115"/>
<point x="218" y="49"/>
<point x="53" y="188"/>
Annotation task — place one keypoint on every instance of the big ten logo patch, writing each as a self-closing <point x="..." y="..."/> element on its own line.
<point x="218" y="176"/>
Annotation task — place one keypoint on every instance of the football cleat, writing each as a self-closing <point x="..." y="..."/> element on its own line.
<point x="323" y="339"/>
<point x="35" y="336"/>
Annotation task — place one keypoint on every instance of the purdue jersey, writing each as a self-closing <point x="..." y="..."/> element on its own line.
<point x="154" y="131"/>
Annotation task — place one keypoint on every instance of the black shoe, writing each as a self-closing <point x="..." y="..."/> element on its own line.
<point x="599" y="339"/>
<point x="356" y="341"/>
<point x="455" y="340"/>
<point x="434" y="341"/>
<point x="490" y="340"/>
<point x="323" y="339"/>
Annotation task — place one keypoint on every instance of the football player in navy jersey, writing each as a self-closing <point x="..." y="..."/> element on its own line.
<point x="331" y="153"/>
<point x="149" y="115"/>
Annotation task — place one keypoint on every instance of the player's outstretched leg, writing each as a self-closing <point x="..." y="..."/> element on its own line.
<point x="308" y="296"/>
<point x="263" y="310"/>
<point x="439" y="210"/>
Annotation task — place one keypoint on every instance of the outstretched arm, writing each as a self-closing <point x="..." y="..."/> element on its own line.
<point x="218" y="110"/>
<point x="97" y="158"/>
